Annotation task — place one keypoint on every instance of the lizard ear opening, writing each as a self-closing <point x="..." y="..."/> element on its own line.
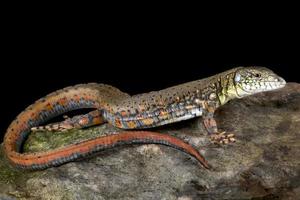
<point x="237" y="77"/>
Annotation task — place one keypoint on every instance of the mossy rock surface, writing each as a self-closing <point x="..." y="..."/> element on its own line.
<point x="264" y="163"/>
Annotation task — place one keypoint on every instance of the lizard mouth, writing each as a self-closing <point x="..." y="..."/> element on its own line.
<point x="271" y="85"/>
<point x="261" y="86"/>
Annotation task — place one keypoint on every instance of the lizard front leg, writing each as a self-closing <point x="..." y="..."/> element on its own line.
<point x="211" y="126"/>
<point x="77" y="122"/>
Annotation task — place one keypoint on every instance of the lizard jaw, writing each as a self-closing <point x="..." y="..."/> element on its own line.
<point x="264" y="86"/>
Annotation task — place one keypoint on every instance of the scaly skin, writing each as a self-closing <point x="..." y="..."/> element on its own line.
<point x="182" y="102"/>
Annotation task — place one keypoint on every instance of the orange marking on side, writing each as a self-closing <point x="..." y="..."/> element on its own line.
<point x="49" y="106"/>
<point x="62" y="101"/>
<point x="131" y="124"/>
<point x="148" y="121"/>
<point x="33" y="115"/>
<point x="163" y="113"/>
<point x="118" y="123"/>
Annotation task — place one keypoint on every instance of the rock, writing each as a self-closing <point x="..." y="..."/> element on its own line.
<point x="264" y="163"/>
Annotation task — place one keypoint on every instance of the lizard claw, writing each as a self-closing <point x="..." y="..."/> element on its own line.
<point x="222" y="138"/>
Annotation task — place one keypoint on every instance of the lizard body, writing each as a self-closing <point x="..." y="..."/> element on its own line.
<point x="182" y="102"/>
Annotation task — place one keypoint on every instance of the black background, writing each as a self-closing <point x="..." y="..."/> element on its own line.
<point x="135" y="56"/>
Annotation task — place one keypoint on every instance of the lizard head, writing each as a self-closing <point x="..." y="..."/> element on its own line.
<point x="252" y="80"/>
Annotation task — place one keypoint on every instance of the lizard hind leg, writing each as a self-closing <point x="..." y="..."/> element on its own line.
<point x="77" y="122"/>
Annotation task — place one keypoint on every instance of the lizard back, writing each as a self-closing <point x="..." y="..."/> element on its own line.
<point x="165" y="106"/>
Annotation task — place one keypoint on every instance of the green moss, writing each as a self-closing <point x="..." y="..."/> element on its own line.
<point x="8" y="174"/>
<point x="43" y="141"/>
<point x="46" y="140"/>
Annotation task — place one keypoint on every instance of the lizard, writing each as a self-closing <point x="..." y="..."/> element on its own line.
<point x="132" y="113"/>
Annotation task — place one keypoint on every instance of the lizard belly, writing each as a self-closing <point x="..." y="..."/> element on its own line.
<point x="152" y="119"/>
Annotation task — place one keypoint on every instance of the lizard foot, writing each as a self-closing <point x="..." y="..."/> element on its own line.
<point x="65" y="125"/>
<point x="222" y="138"/>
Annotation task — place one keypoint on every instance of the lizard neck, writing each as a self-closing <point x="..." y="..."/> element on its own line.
<point x="226" y="89"/>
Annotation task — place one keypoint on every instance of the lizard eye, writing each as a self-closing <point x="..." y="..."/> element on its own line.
<point x="257" y="75"/>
